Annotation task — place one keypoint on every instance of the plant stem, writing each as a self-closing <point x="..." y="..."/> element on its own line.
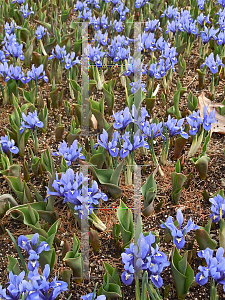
<point x="137" y="289"/>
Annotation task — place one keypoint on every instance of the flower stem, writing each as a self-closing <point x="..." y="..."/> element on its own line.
<point x="137" y="289"/>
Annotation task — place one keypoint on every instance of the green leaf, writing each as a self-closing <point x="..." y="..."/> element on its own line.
<point x="115" y="177"/>
<point x="204" y="240"/>
<point x="47" y="257"/>
<point x="28" y="53"/>
<point x="13" y="265"/>
<point x="125" y="218"/>
<point x="182" y="273"/>
<point x="180" y="49"/>
<point x="178" y="180"/>
<point x="18" y="250"/>
<point x="192" y="102"/>
<point x="202" y="166"/>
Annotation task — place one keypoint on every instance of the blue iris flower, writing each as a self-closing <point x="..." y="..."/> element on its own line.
<point x="140" y="3"/>
<point x="70" y="61"/>
<point x="36" y="74"/>
<point x="32" y="244"/>
<point x="171" y="27"/>
<point x="9" y="39"/>
<point x="34" y="286"/>
<point x="67" y="186"/>
<point x="128" y="146"/>
<point x="160" y="43"/>
<point x="178" y="234"/>
<point x="102" y="38"/>
<point x="117" y="50"/>
<point x="194" y="120"/>
<point x="80" y="5"/>
<point x="10" y="28"/>
<point x="100" y="22"/>
<point x="169" y="53"/>
<point x="111" y="146"/>
<point x="215" y="267"/>
<point x="152" y="130"/>
<point x="94" y="54"/>
<point x="30" y="121"/>
<point x="14" y="285"/>
<point x="84" y="198"/>
<point x="18" y="1"/>
<point x="176" y="127"/>
<point x="171" y="12"/>
<point x="142" y="38"/>
<point x="8" y="145"/>
<point x="152" y="70"/>
<point x="187" y="25"/>
<point x="25" y="11"/>
<point x="90" y="297"/>
<point x="222" y="3"/>
<point x="208" y="119"/>
<point x="122" y="54"/>
<point x="59" y="53"/>
<point x="152" y="25"/>
<point x="85" y="14"/>
<point x="150" y="41"/>
<point x="16" y="74"/>
<point x="139" y="120"/>
<point x="4" y="71"/>
<point x="33" y="249"/>
<point x="217" y="208"/>
<point x="201" y="4"/>
<point x="202" y="19"/>
<point x="213" y="64"/>
<point x="71" y="153"/>
<point x="40" y="32"/>
<point x="117" y="25"/>
<point x="208" y="34"/>
<point x="135" y="86"/>
<point x="122" y="119"/>
<point x="143" y="256"/>
<point x="14" y="50"/>
<point x="122" y="10"/>
<point x="221" y="38"/>
<point x="133" y="66"/>
<point x="160" y="69"/>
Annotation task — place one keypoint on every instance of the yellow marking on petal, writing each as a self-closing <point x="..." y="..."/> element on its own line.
<point x="127" y="276"/>
<point x="201" y="277"/>
<point x="179" y="240"/>
<point x="33" y="263"/>
<point x="156" y="277"/>
<point x="31" y="292"/>
<point x="57" y="283"/>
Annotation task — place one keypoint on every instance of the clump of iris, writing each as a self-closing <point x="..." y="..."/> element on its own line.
<point x="144" y="255"/>
<point x="214" y="268"/>
<point x="83" y="197"/>
<point x="35" y="285"/>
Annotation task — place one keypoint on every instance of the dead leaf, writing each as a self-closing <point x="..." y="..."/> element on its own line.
<point x="94" y="122"/>
<point x="220" y="125"/>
